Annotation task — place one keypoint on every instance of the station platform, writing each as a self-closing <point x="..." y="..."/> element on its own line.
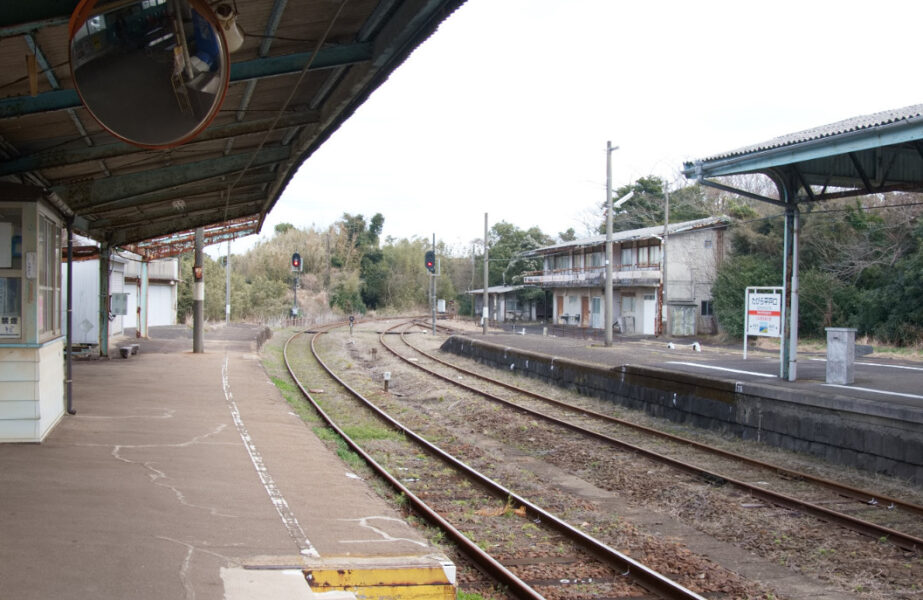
<point x="885" y="381"/>
<point x="874" y="424"/>
<point x="188" y="476"/>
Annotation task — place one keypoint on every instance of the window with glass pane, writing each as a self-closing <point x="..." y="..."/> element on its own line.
<point x="707" y="308"/>
<point x="626" y="257"/>
<point x="628" y="304"/>
<point x="654" y="256"/>
<point x="49" y="276"/>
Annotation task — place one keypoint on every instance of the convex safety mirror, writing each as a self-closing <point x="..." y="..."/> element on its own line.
<point x="152" y="72"/>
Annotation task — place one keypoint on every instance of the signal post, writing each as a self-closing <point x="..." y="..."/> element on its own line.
<point x="296" y="269"/>
<point x="431" y="267"/>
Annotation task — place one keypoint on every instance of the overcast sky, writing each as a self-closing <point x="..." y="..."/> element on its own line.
<point x="507" y="108"/>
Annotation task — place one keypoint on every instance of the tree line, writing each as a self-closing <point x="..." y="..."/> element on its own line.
<point x="861" y="261"/>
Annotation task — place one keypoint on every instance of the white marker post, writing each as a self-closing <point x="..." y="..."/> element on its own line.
<point x="764" y="314"/>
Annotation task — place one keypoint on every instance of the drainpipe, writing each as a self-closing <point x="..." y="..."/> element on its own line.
<point x="68" y="375"/>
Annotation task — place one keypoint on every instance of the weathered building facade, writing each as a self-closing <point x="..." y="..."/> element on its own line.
<point x="662" y="278"/>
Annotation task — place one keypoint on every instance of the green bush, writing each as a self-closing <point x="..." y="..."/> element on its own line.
<point x="734" y="276"/>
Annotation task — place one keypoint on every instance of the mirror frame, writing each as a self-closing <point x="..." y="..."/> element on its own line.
<point x="82" y="13"/>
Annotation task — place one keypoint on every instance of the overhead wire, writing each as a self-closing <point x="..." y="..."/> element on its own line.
<point x="26" y="77"/>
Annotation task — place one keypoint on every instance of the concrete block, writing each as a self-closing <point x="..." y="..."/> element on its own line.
<point x="826" y="432"/>
<point x="911" y="451"/>
<point x="866" y="461"/>
<point x="847" y="456"/>
<point x="841" y="354"/>
<point x="817" y="449"/>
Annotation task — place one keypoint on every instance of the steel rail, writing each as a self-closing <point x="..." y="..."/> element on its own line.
<point x="484" y="561"/>
<point x="642" y="575"/>
<point x="859" y="494"/>
<point x="901" y="539"/>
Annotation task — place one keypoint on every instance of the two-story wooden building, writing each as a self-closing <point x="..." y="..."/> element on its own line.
<point x="650" y="295"/>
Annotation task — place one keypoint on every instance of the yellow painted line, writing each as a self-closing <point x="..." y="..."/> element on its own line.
<point x="415" y="583"/>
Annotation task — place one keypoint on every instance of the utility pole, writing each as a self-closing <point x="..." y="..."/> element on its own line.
<point x="608" y="295"/>
<point x="663" y="260"/>
<point x="485" y="311"/>
<point x="610" y="208"/>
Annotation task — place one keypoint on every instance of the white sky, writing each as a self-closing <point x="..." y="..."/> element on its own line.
<point x="508" y="107"/>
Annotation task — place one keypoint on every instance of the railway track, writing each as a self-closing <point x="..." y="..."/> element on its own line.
<point x="869" y="513"/>
<point x="535" y="553"/>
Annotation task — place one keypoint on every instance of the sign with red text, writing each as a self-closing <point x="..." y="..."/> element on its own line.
<point x="764" y="314"/>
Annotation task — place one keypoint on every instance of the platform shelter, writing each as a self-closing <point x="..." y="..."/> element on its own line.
<point x="861" y="156"/>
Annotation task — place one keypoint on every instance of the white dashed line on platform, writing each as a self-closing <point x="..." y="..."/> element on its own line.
<point x="868" y="364"/>
<point x="862" y="389"/>
<point x="691" y="364"/>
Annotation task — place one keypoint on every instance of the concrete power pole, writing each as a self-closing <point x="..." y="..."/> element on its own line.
<point x="665" y="294"/>
<point x="608" y="292"/>
<point x="485" y="311"/>
<point x="610" y="208"/>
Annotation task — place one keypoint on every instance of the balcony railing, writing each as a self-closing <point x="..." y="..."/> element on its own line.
<point x="595" y="276"/>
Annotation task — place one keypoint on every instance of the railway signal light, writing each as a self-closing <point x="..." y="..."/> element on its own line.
<point x="296" y="262"/>
<point x="430" y="261"/>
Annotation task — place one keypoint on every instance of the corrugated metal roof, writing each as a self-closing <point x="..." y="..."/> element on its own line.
<point x="633" y="234"/>
<point x="854" y="124"/>
<point x="304" y="67"/>
<point x="499" y="289"/>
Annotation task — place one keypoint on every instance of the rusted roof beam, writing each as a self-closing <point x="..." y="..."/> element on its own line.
<point x="177" y="193"/>
<point x="151" y="215"/>
<point x="86" y="194"/>
<point x="127" y="235"/>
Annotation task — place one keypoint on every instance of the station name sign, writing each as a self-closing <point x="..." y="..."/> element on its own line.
<point x="764" y="314"/>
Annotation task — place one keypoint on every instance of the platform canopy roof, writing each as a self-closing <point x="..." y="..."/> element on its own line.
<point x="870" y="154"/>
<point x="304" y="68"/>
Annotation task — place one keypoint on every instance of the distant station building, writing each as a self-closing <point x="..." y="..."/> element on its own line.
<point x="142" y="294"/>
<point x="504" y="304"/>
<point x="651" y="296"/>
